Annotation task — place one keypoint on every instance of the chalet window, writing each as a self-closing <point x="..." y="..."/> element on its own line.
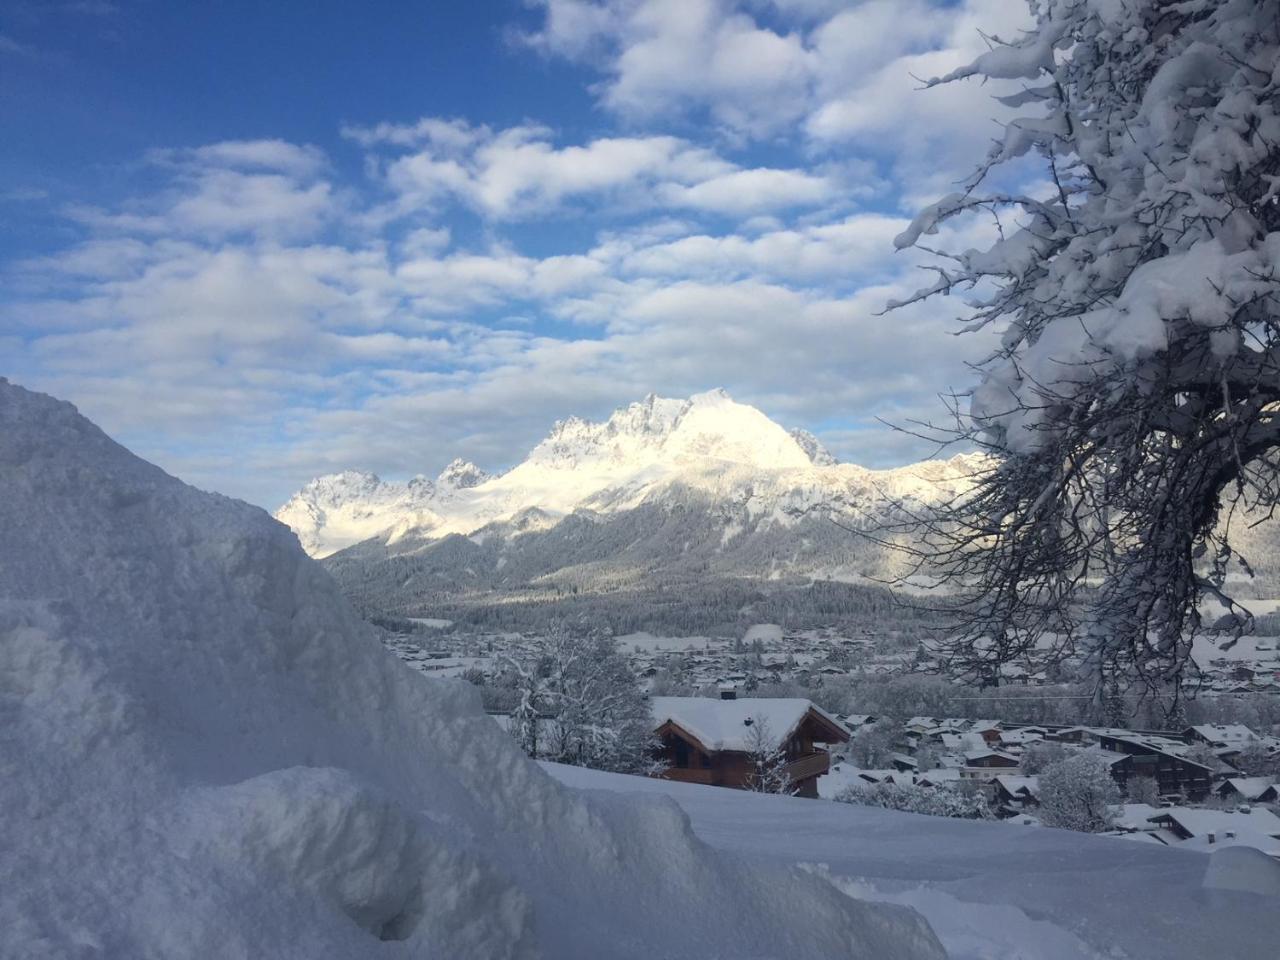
<point x="706" y="761"/>
<point x="682" y="754"/>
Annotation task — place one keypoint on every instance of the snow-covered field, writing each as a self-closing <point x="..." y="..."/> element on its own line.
<point x="991" y="891"/>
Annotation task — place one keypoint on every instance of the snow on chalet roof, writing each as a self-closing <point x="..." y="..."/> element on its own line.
<point x="1201" y="823"/>
<point x="979" y="754"/>
<point x="1015" y="784"/>
<point x="1251" y="788"/>
<point x="1225" y="733"/>
<point x="722" y="724"/>
<point x="1234" y="838"/>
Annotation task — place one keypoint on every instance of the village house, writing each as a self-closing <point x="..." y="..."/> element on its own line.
<point x="1249" y="790"/>
<point x="1160" y="758"/>
<point x="987" y="758"/>
<point x="712" y="741"/>
<point x="1012" y="795"/>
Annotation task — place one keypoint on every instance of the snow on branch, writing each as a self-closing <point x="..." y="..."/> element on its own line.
<point x="1131" y="409"/>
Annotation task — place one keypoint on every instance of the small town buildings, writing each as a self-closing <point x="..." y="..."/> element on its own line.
<point x="713" y="741"/>
<point x="1160" y="758"/>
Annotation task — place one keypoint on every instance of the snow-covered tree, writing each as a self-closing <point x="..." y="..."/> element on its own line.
<point x="1203" y="754"/>
<point x="1132" y="403"/>
<point x="1256" y="760"/>
<point x="767" y="756"/>
<point x="595" y="714"/>
<point x="872" y="746"/>
<point x="1037" y="756"/>
<point x="1077" y="794"/>
<point x="1142" y="789"/>
<point x="532" y="699"/>
<point x="932" y="801"/>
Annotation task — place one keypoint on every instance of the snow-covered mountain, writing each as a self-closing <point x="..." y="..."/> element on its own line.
<point x="207" y="753"/>
<point x="746" y="470"/>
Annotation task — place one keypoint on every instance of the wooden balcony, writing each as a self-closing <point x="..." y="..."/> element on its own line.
<point x="812" y="765"/>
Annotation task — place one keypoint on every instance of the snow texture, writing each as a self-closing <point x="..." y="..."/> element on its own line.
<point x="205" y="753"/>
<point x="998" y="891"/>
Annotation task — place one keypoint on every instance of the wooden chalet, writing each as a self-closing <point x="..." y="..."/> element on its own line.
<point x="710" y="741"/>
<point x="1160" y="758"/>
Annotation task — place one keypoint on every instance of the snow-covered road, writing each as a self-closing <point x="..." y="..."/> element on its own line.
<point x="992" y="891"/>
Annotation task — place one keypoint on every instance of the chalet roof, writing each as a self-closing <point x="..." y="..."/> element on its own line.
<point x="1110" y="756"/>
<point x="1251" y="788"/>
<point x="721" y="725"/>
<point x="979" y="754"/>
<point x="1136" y="816"/>
<point x="1225" y="733"/>
<point x="1015" y="785"/>
<point x="1201" y="823"/>
<point x="1237" y="838"/>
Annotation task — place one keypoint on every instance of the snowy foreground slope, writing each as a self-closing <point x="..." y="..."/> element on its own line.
<point x="996" y="891"/>
<point x="203" y="754"/>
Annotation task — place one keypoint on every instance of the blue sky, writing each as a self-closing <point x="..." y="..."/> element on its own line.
<point x="261" y="241"/>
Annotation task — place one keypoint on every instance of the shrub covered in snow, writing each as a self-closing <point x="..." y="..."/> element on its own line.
<point x="933" y="801"/>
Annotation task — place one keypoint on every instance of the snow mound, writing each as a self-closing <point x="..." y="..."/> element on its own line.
<point x="1245" y="869"/>
<point x="205" y="753"/>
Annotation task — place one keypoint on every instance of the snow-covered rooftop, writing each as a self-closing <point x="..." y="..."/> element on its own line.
<point x="723" y="724"/>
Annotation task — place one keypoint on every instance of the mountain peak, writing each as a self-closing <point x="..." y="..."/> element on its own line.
<point x="813" y="448"/>
<point x="642" y="452"/>
<point x="461" y="475"/>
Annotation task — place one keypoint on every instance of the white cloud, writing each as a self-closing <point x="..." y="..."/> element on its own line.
<point x="843" y="75"/>
<point x="669" y="55"/>
<point x="519" y="172"/>
<point x="301" y="161"/>
<point x="252" y="320"/>
<point x="263" y="187"/>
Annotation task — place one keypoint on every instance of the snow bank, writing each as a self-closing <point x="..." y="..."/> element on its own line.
<point x="204" y="753"/>
<point x="1244" y="869"/>
<point x="997" y="891"/>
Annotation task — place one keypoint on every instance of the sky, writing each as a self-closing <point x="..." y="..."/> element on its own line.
<point x="259" y="242"/>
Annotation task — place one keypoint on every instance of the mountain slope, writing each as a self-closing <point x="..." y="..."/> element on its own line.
<point x="206" y="753"/>
<point x="730" y="452"/>
<point x="664" y="494"/>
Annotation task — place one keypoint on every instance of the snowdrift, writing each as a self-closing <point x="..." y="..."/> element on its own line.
<point x="203" y="753"/>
